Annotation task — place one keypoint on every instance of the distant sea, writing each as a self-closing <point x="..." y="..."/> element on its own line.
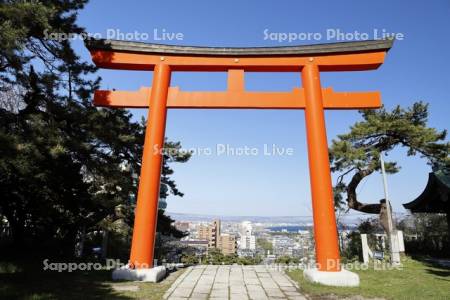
<point x="288" y="228"/>
<point x="293" y="228"/>
<point x="349" y="220"/>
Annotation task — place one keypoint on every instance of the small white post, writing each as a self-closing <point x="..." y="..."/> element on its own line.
<point x="401" y="242"/>
<point x="393" y="237"/>
<point x="365" y="248"/>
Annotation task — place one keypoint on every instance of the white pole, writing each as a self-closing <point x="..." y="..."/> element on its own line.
<point x="392" y="234"/>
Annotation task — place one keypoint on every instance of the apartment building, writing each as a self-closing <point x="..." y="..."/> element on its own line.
<point x="226" y="243"/>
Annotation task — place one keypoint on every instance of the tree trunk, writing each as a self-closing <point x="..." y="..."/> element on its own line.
<point x="68" y="243"/>
<point x="448" y="220"/>
<point x="105" y="243"/>
<point x="16" y="227"/>
<point x="352" y="199"/>
<point x="18" y="234"/>
<point x="80" y="249"/>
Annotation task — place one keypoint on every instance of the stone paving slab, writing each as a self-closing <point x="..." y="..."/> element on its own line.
<point x="232" y="282"/>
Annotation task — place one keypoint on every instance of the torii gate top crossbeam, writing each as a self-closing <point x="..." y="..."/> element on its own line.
<point x="348" y="56"/>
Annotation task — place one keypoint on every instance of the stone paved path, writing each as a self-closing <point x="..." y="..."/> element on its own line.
<point x="233" y="282"/>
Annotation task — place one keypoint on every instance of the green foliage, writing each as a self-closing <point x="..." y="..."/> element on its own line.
<point x="190" y="259"/>
<point x="165" y="226"/>
<point x="249" y="260"/>
<point x="369" y="226"/>
<point x="216" y="257"/>
<point x="382" y="131"/>
<point x="67" y="168"/>
<point x="173" y="153"/>
<point x="287" y="260"/>
<point x="264" y="244"/>
<point x="165" y="229"/>
<point x="426" y="235"/>
<point x="353" y="249"/>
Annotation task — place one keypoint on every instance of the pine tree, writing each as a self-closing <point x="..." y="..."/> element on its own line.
<point x="66" y="167"/>
<point x="355" y="155"/>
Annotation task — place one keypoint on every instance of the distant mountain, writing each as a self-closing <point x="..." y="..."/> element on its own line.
<point x="298" y="220"/>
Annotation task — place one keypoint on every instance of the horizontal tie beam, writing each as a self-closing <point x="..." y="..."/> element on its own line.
<point x="238" y="99"/>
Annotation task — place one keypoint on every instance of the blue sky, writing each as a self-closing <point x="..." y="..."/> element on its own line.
<point x="415" y="69"/>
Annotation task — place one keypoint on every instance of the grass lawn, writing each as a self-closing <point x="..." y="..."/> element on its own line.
<point x="34" y="283"/>
<point x="416" y="280"/>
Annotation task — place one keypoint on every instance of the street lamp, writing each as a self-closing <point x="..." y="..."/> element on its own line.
<point x="392" y="233"/>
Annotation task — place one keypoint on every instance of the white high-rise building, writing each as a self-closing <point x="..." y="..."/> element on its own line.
<point x="247" y="239"/>
<point x="246" y="228"/>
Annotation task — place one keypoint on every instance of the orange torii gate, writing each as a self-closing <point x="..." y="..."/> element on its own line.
<point x="308" y="60"/>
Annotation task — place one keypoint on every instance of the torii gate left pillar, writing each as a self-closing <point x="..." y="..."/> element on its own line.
<point x="143" y="243"/>
<point x="309" y="60"/>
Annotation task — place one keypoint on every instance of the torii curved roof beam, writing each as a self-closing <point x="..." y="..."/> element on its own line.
<point x="346" y="56"/>
<point x="139" y="47"/>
